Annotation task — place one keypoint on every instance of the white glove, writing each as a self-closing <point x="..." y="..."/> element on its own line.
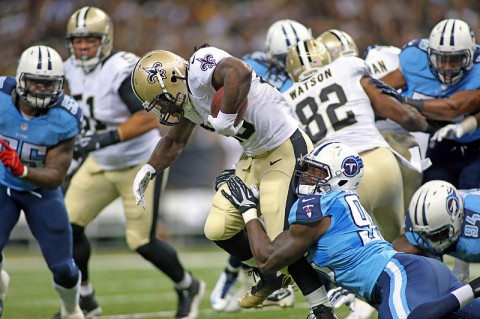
<point x="224" y="124"/>
<point x="140" y="184"/>
<point x="339" y="297"/>
<point x="453" y="131"/>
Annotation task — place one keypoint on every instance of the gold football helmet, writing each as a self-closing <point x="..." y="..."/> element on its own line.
<point x="91" y="22"/>
<point x="159" y="80"/>
<point x="339" y="43"/>
<point x="304" y="58"/>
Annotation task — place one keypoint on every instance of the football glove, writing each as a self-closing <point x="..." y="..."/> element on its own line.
<point x="242" y="197"/>
<point x="224" y="124"/>
<point x="10" y="159"/>
<point x="92" y="141"/>
<point x="340" y="296"/>
<point x="454" y="131"/>
<point x="224" y="177"/>
<point x="387" y="89"/>
<point x="140" y="183"/>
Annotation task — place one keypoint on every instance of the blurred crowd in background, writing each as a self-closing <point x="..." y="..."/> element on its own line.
<point x="238" y="26"/>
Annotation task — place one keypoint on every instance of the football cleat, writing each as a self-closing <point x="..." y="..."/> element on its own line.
<point x="189" y="300"/>
<point x="283" y="297"/>
<point x="264" y="288"/>
<point x="340" y="296"/>
<point x="64" y="314"/>
<point x="90" y="306"/>
<point x="321" y="312"/>
<point x="222" y="293"/>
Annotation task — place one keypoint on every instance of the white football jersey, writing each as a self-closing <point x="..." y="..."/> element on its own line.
<point x="332" y="106"/>
<point x="382" y="60"/>
<point x="267" y="122"/>
<point x="97" y="94"/>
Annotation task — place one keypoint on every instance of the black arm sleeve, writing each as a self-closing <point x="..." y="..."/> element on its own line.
<point x="128" y="97"/>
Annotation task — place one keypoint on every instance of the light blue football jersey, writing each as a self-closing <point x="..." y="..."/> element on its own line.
<point x="467" y="247"/>
<point x="33" y="138"/>
<point x="268" y="71"/>
<point x="422" y="83"/>
<point x="352" y="247"/>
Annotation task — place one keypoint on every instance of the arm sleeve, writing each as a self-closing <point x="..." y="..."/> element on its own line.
<point x="128" y="97"/>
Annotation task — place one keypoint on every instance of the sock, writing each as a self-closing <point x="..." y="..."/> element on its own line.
<point x="318" y="297"/>
<point x="69" y="296"/>
<point x="86" y="290"/>
<point x="185" y="282"/>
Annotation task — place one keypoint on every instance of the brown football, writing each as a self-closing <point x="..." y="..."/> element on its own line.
<point x="216" y="104"/>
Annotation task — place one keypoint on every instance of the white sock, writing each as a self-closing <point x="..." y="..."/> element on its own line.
<point x="69" y="296"/>
<point x="464" y="295"/>
<point x="4" y="281"/>
<point x="318" y="297"/>
<point x="185" y="282"/>
<point x="86" y="290"/>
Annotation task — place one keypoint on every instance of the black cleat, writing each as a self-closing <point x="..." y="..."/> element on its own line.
<point x="90" y="306"/>
<point x="323" y="312"/>
<point x="189" y="300"/>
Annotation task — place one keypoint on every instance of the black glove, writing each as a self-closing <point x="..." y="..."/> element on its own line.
<point x="387" y="89"/>
<point x="242" y="197"/>
<point x="88" y="142"/>
<point x="224" y="177"/>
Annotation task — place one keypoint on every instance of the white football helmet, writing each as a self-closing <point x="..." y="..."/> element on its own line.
<point x="281" y="36"/>
<point x="159" y="80"/>
<point x="91" y="22"/>
<point x="436" y="213"/>
<point x="450" y="50"/>
<point x="340" y="168"/>
<point x="40" y="76"/>
<point x="304" y="59"/>
<point x="339" y="43"/>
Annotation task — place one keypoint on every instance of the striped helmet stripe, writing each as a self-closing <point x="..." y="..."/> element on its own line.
<point x="452" y="38"/>
<point x="303" y="54"/>
<point x="82" y="17"/>
<point x="39" y="63"/>
<point x="442" y="37"/>
<point x="341" y="37"/>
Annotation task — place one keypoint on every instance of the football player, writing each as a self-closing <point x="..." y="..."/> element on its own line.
<point x="441" y="77"/>
<point x="443" y="221"/>
<point x="119" y="136"/>
<point x="398" y="285"/>
<point x="271" y="66"/>
<point x="38" y="126"/>
<point x="180" y="93"/>
<point x="337" y="101"/>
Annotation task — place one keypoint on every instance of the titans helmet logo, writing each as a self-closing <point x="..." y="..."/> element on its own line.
<point x="207" y="62"/>
<point x="154" y="71"/>
<point x="452" y="203"/>
<point x="352" y="165"/>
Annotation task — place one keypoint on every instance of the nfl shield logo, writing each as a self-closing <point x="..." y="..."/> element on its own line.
<point x="308" y="210"/>
<point x="24" y="126"/>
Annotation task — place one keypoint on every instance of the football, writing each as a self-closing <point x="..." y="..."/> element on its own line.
<point x="216" y="104"/>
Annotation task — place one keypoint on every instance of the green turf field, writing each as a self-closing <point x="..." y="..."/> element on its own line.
<point x="127" y="287"/>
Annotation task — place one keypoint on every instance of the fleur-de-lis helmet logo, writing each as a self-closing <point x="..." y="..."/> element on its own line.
<point x="154" y="71"/>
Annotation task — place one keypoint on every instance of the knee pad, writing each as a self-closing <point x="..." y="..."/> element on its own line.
<point x="65" y="274"/>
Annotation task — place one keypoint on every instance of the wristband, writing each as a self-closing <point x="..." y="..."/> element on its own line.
<point x="469" y="124"/>
<point x="25" y="172"/>
<point x="249" y="215"/>
<point x="418" y="104"/>
<point x="226" y="119"/>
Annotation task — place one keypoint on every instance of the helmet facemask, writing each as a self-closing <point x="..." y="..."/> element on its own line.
<point x="458" y="64"/>
<point x="53" y="88"/>
<point x="312" y="178"/>
<point x="438" y="240"/>
<point x="167" y="108"/>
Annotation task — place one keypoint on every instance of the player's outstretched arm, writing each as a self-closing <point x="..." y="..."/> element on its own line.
<point x="395" y="79"/>
<point x="461" y="103"/>
<point x="388" y="106"/>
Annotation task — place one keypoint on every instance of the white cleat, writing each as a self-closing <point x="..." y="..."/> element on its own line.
<point x="283" y="297"/>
